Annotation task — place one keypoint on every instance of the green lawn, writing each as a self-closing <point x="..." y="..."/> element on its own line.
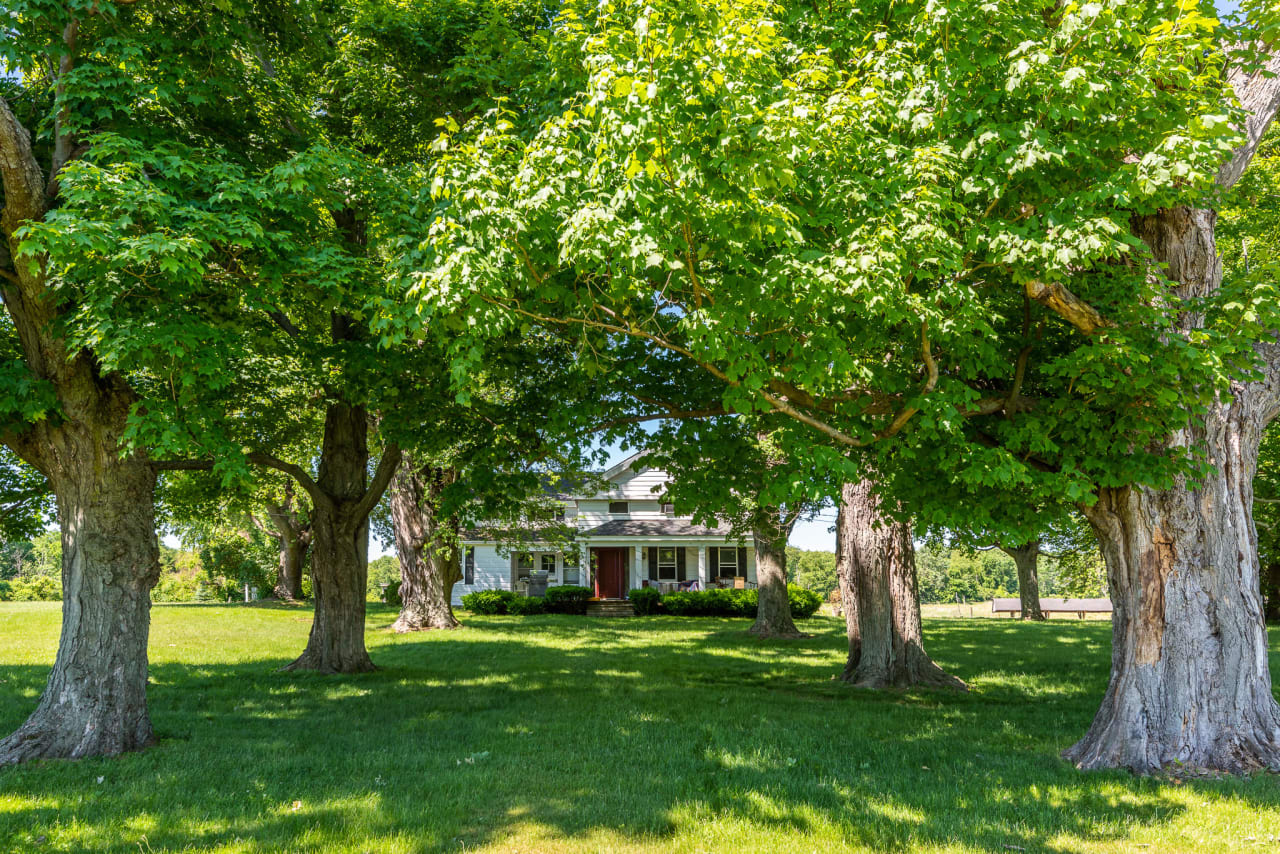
<point x="561" y="733"/>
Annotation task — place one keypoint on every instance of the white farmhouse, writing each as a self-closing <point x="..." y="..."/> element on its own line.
<point x="629" y="537"/>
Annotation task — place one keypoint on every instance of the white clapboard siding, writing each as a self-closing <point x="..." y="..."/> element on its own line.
<point x="493" y="572"/>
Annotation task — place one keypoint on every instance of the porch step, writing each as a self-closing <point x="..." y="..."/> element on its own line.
<point x="610" y="608"/>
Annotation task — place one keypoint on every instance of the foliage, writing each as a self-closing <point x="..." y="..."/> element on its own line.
<point x="959" y="574"/>
<point x="804" y="603"/>
<point x="807" y="206"/>
<point x="567" y="599"/>
<point x="645" y="601"/>
<point x="391" y="596"/>
<point x="489" y="602"/>
<point x="710" y="603"/>
<point x="40" y="588"/>
<point x="523" y="606"/>
<point x="26" y="504"/>
<point x="812" y="570"/>
<point x="1249" y="241"/>
<point x="226" y="566"/>
<point x="383" y="570"/>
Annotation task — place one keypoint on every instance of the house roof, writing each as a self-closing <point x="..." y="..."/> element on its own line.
<point x="619" y="468"/>
<point x="654" y="528"/>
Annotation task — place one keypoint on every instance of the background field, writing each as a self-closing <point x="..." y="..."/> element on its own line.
<point x="561" y="733"/>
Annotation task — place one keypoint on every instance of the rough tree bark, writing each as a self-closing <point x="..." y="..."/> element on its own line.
<point x="773" y="615"/>
<point x="95" y="701"/>
<point x="1026" y="558"/>
<point x="427" y="546"/>
<point x="875" y="562"/>
<point x="342" y="503"/>
<point x="1190" y="685"/>
<point x="293" y="534"/>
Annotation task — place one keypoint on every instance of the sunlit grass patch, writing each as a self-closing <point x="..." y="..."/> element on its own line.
<point x="561" y="734"/>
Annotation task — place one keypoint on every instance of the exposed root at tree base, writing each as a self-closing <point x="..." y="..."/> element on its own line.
<point x="308" y="663"/>
<point x="33" y="741"/>
<point x="1239" y="758"/>
<point x="401" y="628"/>
<point x="937" y="679"/>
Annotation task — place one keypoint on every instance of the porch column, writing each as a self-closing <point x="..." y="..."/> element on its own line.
<point x="702" y="567"/>
<point x="637" y="554"/>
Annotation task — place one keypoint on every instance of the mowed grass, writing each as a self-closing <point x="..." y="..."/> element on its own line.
<point x="570" y="734"/>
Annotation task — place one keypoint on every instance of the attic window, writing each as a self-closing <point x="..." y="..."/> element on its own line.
<point x="668" y="509"/>
<point x="617" y="507"/>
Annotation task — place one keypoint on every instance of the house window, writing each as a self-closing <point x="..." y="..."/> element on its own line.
<point x="728" y="562"/>
<point x="524" y="565"/>
<point x="469" y="565"/>
<point x="570" y="569"/>
<point x="666" y="564"/>
<point x="549" y="565"/>
<point x="668" y="509"/>
<point x="619" y="507"/>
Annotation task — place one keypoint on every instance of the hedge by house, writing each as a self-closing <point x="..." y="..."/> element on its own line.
<point x="567" y="599"/>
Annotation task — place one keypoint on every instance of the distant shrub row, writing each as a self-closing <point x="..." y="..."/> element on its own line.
<point x="647" y="600"/>
<point x="719" y="603"/>
<point x="565" y="599"/>
<point x="40" y="588"/>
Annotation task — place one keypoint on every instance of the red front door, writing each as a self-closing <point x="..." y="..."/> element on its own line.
<point x="611" y="573"/>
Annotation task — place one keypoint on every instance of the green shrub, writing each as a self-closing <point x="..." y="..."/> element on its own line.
<point x="6" y="591"/>
<point x="523" y="606"/>
<point x="682" y="603"/>
<point x="173" y="587"/>
<point x="804" y="603"/>
<point x="41" y="588"/>
<point x="716" y="602"/>
<point x="567" y="599"/>
<point x="646" y="600"/>
<point x="489" y="601"/>
<point x="392" y="594"/>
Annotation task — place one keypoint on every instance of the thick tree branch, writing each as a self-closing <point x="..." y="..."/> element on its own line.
<point x="1068" y="306"/>
<point x="1259" y="94"/>
<point x="63" y="141"/>
<point x="381" y="480"/>
<point x="282" y="320"/>
<point x="23" y="183"/>
<point x="298" y="473"/>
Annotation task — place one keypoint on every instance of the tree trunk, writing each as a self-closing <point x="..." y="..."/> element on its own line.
<point x="875" y="561"/>
<point x="293" y="556"/>
<point x="293" y="533"/>
<point x="773" y="615"/>
<point x="1190" y="685"/>
<point x="427" y="547"/>
<point x="1026" y="558"/>
<point x="95" y="703"/>
<point x="1271" y="592"/>
<point x="339" y="560"/>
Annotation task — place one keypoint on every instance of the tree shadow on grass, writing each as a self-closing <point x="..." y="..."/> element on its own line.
<point x="559" y="732"/>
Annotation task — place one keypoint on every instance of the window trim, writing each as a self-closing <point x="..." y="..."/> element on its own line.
<point x="722" y="564"/>
<point x="673" y="565"/>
